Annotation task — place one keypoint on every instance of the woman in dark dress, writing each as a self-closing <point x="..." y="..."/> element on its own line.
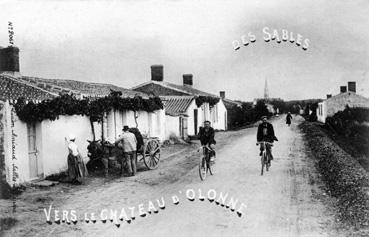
<point x="288" y="119"/>
<point x="76" y="167"/>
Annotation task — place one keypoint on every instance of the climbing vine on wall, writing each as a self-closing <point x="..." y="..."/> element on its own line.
<point x="206" y="99"/>
<point x="94" y="108"/>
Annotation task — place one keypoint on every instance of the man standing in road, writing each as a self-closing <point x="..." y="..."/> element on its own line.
<point x="127" y="141"/>
<point x="266" y="134"/>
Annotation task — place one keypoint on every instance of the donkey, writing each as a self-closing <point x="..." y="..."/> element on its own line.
<point x="100" y="152"/>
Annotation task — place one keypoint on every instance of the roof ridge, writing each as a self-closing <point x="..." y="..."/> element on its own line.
<point x="84" y="88"/>
<point x="347" y="92"/>
<point x="178" y="96"/>
<point x="167" y="84"/>
<point x="73" y="80"/>
<point x="27" y="84"/>
<point x="191" y="88"/>
<point x="173" y="86"/>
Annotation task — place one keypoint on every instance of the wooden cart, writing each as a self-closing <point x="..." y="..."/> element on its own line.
<point x="149" y="154"/>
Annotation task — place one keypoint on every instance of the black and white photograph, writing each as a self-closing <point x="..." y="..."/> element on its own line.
<point x="184" y="118"/>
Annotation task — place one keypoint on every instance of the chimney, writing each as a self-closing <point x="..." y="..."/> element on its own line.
<point x="351" y="86"/>
<point x="157" y="73"/>
<point x="222" y="94"/>
<point x="187" y="80"/>
<point x="329" y="96"/>
<point x="9" y="59"/>
<point x="343" y="89"/>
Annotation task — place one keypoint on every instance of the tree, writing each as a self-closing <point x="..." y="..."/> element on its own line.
<point x="261" y="109"/>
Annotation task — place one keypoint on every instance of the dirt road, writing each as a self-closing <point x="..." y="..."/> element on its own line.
<point x="287" y="201"/>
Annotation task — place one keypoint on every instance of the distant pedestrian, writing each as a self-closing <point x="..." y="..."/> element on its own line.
<point x="288" y="119"/>
<point x="76" y="167"/>
<point x="128" y="142"/>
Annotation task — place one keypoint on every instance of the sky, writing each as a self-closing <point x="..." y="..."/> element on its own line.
<point x="117" y="42"/>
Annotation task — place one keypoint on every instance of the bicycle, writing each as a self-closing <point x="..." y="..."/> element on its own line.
<point x="205" y="163"/>
<point x="265" y="159"/>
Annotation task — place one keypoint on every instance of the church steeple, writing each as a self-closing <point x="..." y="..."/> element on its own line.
<point x="266" y="91"/>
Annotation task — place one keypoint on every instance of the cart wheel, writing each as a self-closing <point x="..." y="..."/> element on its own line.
<point x="151" y="153"/>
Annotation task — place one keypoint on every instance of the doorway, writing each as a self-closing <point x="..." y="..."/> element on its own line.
<point x="183" y="127"/>
<point x="34" y="169"/>
<point x="195" y="115"/>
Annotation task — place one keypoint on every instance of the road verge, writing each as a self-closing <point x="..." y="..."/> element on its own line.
<point x="345" y="178"/>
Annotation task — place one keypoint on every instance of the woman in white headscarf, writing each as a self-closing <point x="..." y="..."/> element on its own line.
<point x="76" y="167"/>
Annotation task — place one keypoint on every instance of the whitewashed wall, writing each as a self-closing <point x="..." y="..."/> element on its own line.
<point x="19" y="129"/>
<point x="143" y="122"/>
<point x="321" y="112"/>
<point x="205" y="114"/>
<point x="98" y="130"/>
<point x="157" y="123"/>
<point x="150" y="124"/>
<point x="191" y="118"/>
<point x="53" y="149"/>
<point x="218" y="115"/>
<point x="172" y="126"/>
<point x="50" y="141"/>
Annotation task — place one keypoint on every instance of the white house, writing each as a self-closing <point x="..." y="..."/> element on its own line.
<point x="34" y="150"/>
<point x="204" y="106"/>
<point x="39" y="149"/>
<point x="182" y="116"/>
<point x="336" y="103"/>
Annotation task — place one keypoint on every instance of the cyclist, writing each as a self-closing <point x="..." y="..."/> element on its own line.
<point x="206" y="136"/>
<point x="266" y="134"/>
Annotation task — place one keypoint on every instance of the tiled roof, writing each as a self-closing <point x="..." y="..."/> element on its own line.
<point x="166" y="88"/>
<point x="88" y="89"/>
<point x="11" y="88"/>
<point x="176" y="105"/>
<point x="189" y="89"/>
<point x="179" y="88"/>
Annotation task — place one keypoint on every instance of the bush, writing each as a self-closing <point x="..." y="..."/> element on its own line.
<point x="350" y="124"/>
<point x="353" y="114"/>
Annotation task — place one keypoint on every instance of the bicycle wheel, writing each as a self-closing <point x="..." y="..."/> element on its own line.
<point x="210" y="166"/>
<point x="262" y="162"/>
<point x="203" y="168"/>
<point x="267" y="163"/>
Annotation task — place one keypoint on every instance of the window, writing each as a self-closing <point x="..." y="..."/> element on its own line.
<point x="320" y="109"/>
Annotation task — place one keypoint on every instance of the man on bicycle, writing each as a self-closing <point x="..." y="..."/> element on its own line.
<point x="266" y="134"/>
<point x="206" y="136"/>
